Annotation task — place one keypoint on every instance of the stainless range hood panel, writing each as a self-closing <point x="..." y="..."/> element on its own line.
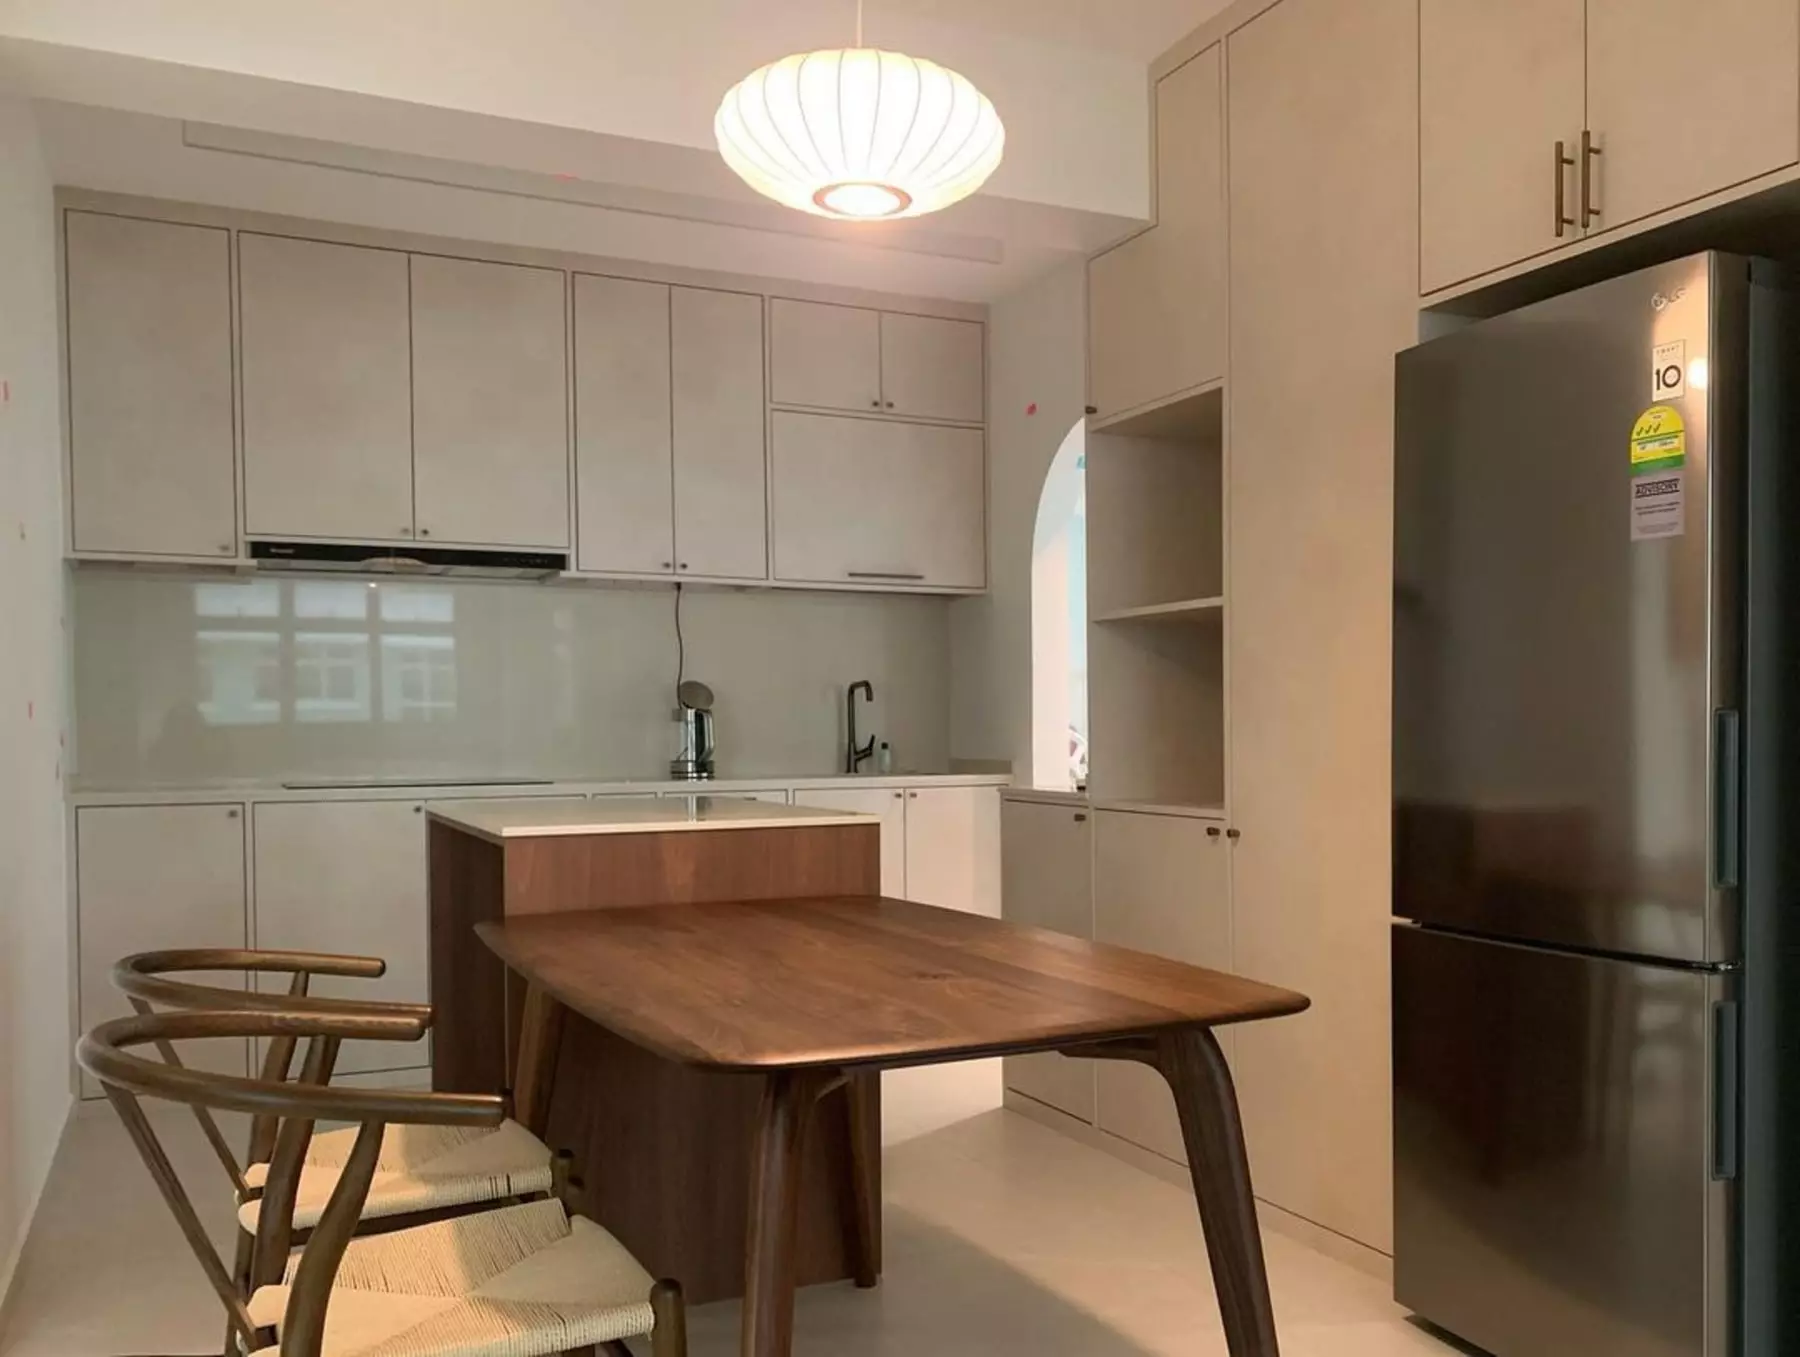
<point x="466" y="563"/>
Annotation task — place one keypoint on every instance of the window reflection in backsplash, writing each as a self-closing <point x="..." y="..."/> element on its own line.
<point x="324" y="651"/>
<point x="199" y="678"/>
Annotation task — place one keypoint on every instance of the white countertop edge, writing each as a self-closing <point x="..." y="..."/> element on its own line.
<point x="508" y="818"/>
<point x="255" y="791"/>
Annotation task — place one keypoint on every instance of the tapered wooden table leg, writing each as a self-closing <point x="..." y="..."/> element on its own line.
<point x="540" y="1034"/>
<point x="863" y="1098"/>
<point x="1213" y="1132"/>
<point x="787" y="1102"/>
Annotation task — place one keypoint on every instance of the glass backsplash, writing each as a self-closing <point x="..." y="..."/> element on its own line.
<point x="185" y="678"/>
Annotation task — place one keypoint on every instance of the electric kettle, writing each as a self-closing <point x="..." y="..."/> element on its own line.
<point x="693" y="761"/>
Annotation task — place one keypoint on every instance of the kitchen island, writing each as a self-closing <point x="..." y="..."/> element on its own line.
<point x="664" y="1149"/>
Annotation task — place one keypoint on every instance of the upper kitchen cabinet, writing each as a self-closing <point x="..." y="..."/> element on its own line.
<point x="832" y="357"/>
<point x="1687" y="99"/>
<point x="489" y="404"/>
<point x="624" y="487"/>
<point x="824" y="356"/>
<point x="1654" y="103"/>
<point x="1156" y="303"/>
<point x="876" y="502"/>
<point x="1500" y="85"/>
<point x="327" y="390"/>
<point x="149" y="382"/>
<point x="721" y="466"/>
<point x="932" y="368"/>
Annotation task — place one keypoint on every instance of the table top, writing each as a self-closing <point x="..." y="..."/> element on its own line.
<point x="528" y="817"/>
<point x="776" y="984"/>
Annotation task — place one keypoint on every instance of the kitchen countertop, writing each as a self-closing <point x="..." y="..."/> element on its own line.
<point x="353" y="789"/>
<point x="526" y="818"/>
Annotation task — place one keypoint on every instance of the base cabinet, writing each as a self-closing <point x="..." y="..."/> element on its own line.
<point x="1162" y="884"/>
<point x="940" y="846"/>
<point x="1046" y="880"/>
<point x="154" y="877"/>
<point x="349" y="876"/>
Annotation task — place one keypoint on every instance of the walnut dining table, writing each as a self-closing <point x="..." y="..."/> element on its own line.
<point x="814" y="995"/>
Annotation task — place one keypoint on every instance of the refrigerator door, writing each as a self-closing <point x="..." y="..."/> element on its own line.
<point x="1567" y="579"/>
<point x="1554" y="1134"/>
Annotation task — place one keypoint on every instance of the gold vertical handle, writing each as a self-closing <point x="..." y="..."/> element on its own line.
<point x="1588" y="152"/>
<point x="1563" y="161"/>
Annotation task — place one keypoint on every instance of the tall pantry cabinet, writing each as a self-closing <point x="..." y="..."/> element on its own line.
<point x="1280" y="870"/>
<point x="1323" y="228"/>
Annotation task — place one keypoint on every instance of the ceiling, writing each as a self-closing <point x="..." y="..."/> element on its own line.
<point x="1140" y="29"/>
<point x="585" y="125"/>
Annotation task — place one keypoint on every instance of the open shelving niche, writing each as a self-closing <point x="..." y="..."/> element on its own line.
<point x="1156" y="604"/>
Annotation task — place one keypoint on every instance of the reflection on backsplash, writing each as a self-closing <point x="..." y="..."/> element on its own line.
<point x="182" y="678"/>
<point x="322" y="650"/>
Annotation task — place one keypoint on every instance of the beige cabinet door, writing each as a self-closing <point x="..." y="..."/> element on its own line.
<point x="154" y="877"/>
<point x="1156" y="303"/>
<point x="1046" y="880"/>
<point x="152" y="455"/>
<point x="327" y="382"/>
<point x="885" y="803"/>
<point x="721" y="465"/>
<point x="490" y="403"/>
<point x="824" y="356"/>
<point x="1161" y="885"/>
<point x="624" y="490"/>
<point x="1687" y="99"/>
<point x="349" y="877"/>
<point x="1499" y="86"/>
<point x="953" y="848"/>
<point x="933" y="368"/>
<point x="1310" y="580"/>
<point x="870" y="502"/>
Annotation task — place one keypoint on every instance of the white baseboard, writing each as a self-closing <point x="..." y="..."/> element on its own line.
<point x="1351" y="1252"/>
<point x="15" y="1249"/>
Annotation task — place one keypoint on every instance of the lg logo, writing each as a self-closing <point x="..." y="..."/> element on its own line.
<point x="1662" y="303"/>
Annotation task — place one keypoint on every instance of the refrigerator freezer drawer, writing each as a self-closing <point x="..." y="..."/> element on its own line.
<point x="1555" y="1188"/>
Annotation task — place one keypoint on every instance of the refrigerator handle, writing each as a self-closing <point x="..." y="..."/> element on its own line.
<point x="1728" y="810"/>
<point x="1726" y="1089"/>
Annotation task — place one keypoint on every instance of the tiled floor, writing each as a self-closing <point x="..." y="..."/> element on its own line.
<point x="1002" y="1237"/>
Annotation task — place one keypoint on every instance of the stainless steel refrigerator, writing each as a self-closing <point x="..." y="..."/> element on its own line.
<point x="1596" y="954"/>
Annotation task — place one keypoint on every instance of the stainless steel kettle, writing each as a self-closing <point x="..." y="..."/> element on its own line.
<point x="693" y="761"/>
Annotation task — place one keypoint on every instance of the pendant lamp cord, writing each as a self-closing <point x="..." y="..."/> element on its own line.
<point x="859" y="5"/>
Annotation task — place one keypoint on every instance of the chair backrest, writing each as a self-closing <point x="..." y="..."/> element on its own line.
<point x="105" y="1053"/>
<point x="144" y="978"/>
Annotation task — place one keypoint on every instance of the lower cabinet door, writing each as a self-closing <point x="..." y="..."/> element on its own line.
<point x="886" y="803"/>
<point x="1162" y="885"/>
<point x="1046" y="880"/>
<point x="155" y="877"/>
<point x="349" y="876"/>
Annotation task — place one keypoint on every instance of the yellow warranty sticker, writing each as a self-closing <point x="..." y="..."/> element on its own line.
<point x="1658" y="440"/>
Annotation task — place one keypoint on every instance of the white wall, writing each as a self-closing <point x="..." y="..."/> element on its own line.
<point x="1037" y="356"/>
<point x="198" y="678"/>
<point x="34" y="928"/>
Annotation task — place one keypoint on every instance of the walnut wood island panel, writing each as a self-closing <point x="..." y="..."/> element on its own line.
<point x="665" y="1149"/>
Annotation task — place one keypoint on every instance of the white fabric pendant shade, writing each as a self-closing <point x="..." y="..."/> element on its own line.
<point x="859" y="133"/>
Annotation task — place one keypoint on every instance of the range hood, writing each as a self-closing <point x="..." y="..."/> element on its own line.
<point x="468" y="563"/>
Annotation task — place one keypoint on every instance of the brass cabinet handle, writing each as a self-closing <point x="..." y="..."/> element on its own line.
<point x="1213" y="831"/>
<point x="1563" y="161"/>
<point x="1080" y="817"/>
<point x="1588" y="152"/>
<point x="1233" y="834"/>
